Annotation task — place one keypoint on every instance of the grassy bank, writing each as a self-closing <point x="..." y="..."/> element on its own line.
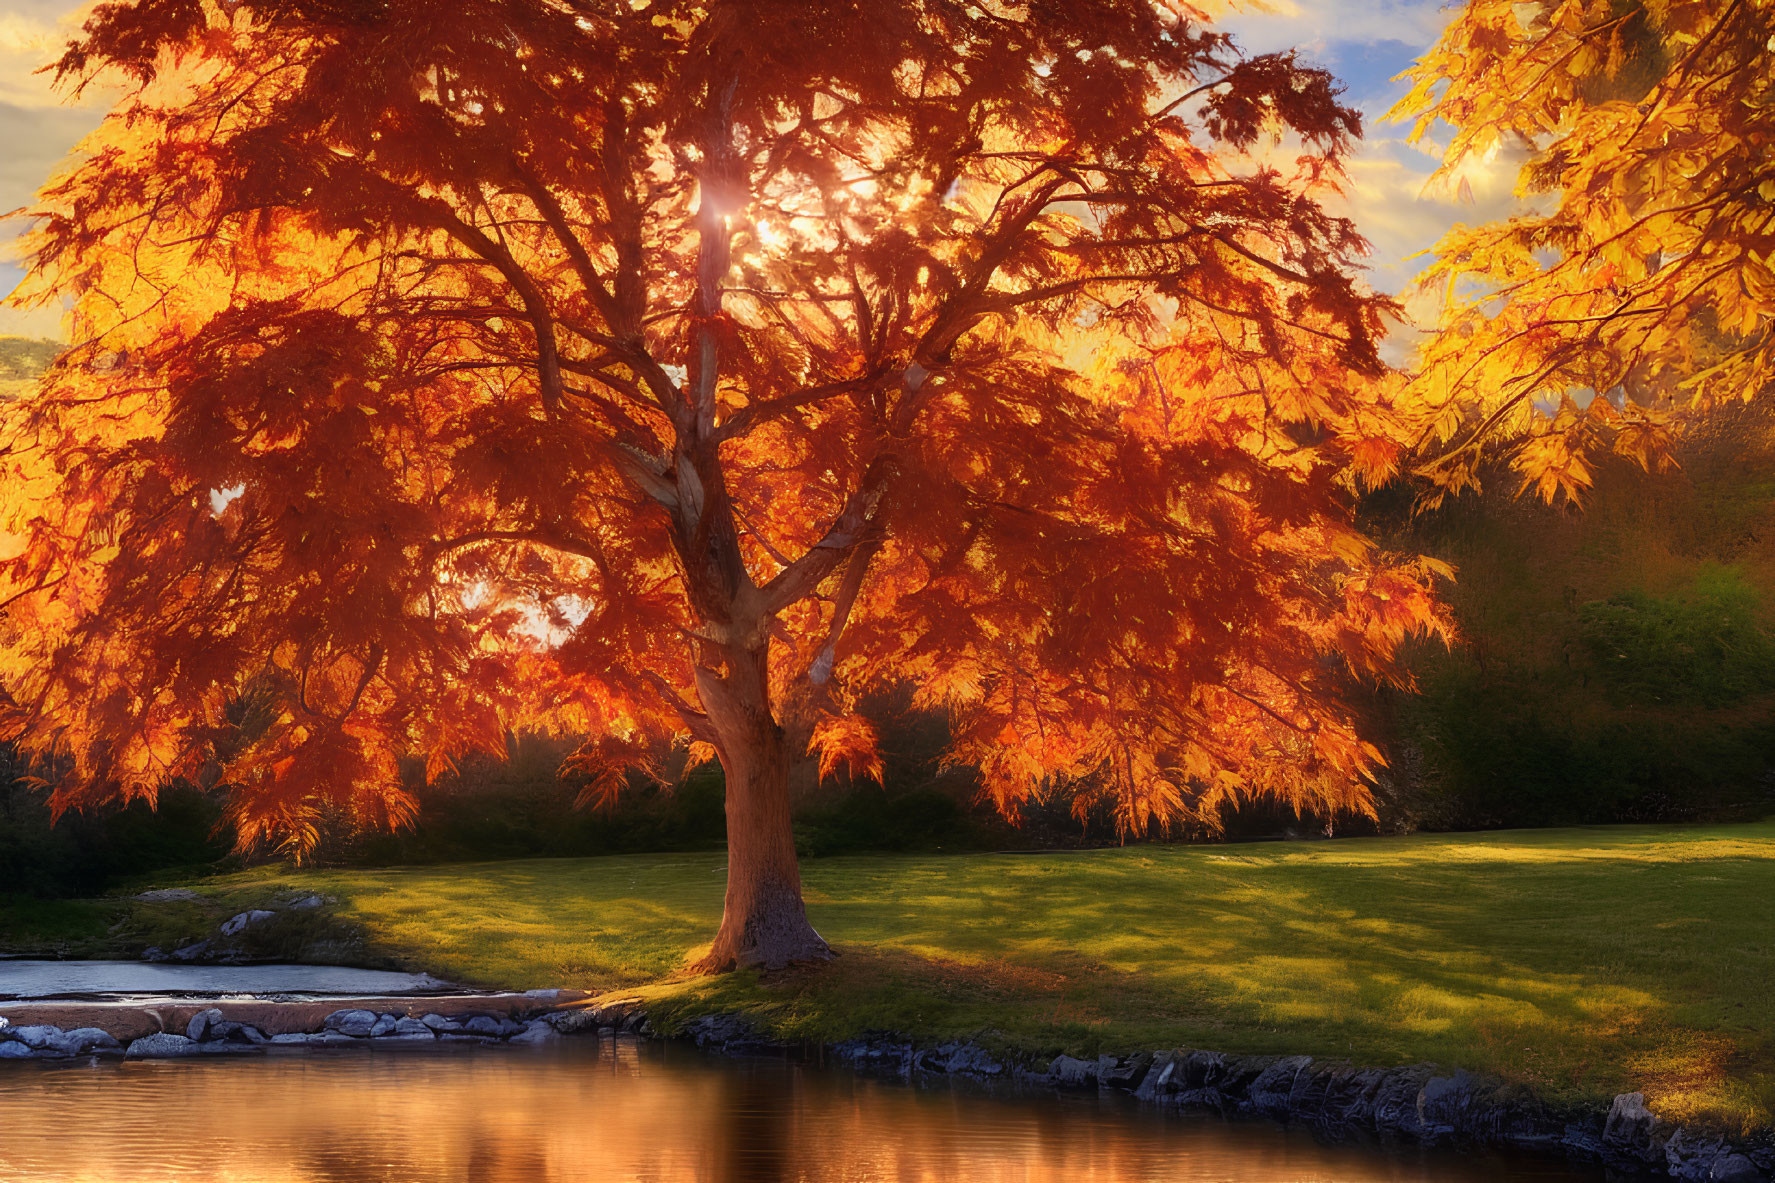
<point x="1583" y="961"/>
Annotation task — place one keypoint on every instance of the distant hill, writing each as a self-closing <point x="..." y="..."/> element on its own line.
<point x="25" y="358"/>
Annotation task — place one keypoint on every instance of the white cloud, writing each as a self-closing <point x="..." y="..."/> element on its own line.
<point x="38" y="140"/>
<point x="1312" y="25"/>
<point x="1388" y="195"/>
<point x="38" y="128"/>
<point x="1400" y="212"/>
<point x="1393" y="203"/>
<point x="33" y="34"/>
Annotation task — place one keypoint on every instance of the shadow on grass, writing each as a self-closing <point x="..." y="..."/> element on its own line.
<point x="1584" y="976"/>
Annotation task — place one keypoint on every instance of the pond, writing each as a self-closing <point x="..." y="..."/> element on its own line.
<point x="591" y="1111"/>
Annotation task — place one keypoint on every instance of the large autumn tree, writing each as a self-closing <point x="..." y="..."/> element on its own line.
<point x="1642" y="264"/>
<point x="675" y="371"/>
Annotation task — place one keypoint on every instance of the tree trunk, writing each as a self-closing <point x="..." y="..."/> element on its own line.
<point x="764" y="922"/>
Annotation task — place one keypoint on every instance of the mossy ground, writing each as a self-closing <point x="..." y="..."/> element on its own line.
<point x="1581" y="961"/>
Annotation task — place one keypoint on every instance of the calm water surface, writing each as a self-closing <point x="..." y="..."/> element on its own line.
<point x="616" y="1112"/>
<point x="23" y="978"/>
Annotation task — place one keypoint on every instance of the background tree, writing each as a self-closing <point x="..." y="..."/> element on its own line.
<point x="679" y="370"/>
<point x="1642" y="269"/>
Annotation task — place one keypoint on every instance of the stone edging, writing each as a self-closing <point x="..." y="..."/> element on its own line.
<point x="209" y="1032"/>
<point x="1418" y="1103"/>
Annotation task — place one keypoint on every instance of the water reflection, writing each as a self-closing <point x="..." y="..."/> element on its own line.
<point x="614" y="1112"/>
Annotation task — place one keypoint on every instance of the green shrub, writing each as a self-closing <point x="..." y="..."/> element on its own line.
<point x="1705" y="644"/>
<point x="1616" y="662"/>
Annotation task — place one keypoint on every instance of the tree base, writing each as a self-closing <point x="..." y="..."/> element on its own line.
<point x="726" y="957"/>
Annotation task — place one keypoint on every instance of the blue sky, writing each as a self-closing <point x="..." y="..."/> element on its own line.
<point x="1364" y="42"/>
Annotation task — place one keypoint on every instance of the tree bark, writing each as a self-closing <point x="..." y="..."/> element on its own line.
<point x="763" y="922"/>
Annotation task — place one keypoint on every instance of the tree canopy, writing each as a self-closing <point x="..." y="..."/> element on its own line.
<point x="1641" y="267"/>
<point x="675" y="372"/>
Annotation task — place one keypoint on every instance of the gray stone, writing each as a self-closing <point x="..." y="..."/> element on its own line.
<point x="1445" y="1102"/>
<point x="1688" y="1155"/>
<point x="1632" y="1129"/>
<point x="1508" y="1113"/>
<point x="440" y="1023"/>
<point x="164" y="1045"/>
<point x="1735" y="1168"/>
<point x="167" y="895"/>
<point x="494" y="1025"/>
<point x="203" y="1023"/>
<point x="1125" y="1074"/>
<point x="876" y="1052"/>
<point x="573" y="1022"/>
<point x="38" y="1038"/>
<point x="968" y="1060"/>
<point x="308" y="903"/>
<point x="86" y="1041"/>
<point x="228" y="1031"/>
<point x="191" y="952"/>
<point x="385" y="1026"/>
<point x="1312" y="1085"/>
<point x="1200" y="1070"/>
<point x="411" y="1026"/>
<point x="239" y="923"/>
<point x="1270" y="1091"/>
<point x="1349" y="1096"/>
<point x="550" y="995"/>
<point x="48" y="1041"/>
<point x="1161" y="1077"/>
<point x="1206" y="1070"/>
<point x="1069" y="1072"/>
<point x="536" y="1032"/>
<point x="351" y="1022"/>
<point x="1238" y="1073"/>
<point x="290" y="1037"/>
<point x="730" y="1032"/>
<point x="16" y="1051"/>
<point x="623" y="1012"/>
<point x="1396" y="1100"/>
<point x="1582" y="1141"/>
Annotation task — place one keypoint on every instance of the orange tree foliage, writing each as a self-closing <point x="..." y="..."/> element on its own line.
<point x="676" y="371"/>
<point x="1645" y="268"/>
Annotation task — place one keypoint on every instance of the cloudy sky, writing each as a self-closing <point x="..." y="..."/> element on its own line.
<point x="1364" y="42"/>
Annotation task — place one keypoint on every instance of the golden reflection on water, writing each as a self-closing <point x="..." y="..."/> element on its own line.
<point x="610" y="1113"/>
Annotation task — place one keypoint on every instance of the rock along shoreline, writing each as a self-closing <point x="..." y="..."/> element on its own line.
<point x="1418" y="1103"/>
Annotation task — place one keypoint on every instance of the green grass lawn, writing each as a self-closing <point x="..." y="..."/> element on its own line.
<point x="1583" y="961"/>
